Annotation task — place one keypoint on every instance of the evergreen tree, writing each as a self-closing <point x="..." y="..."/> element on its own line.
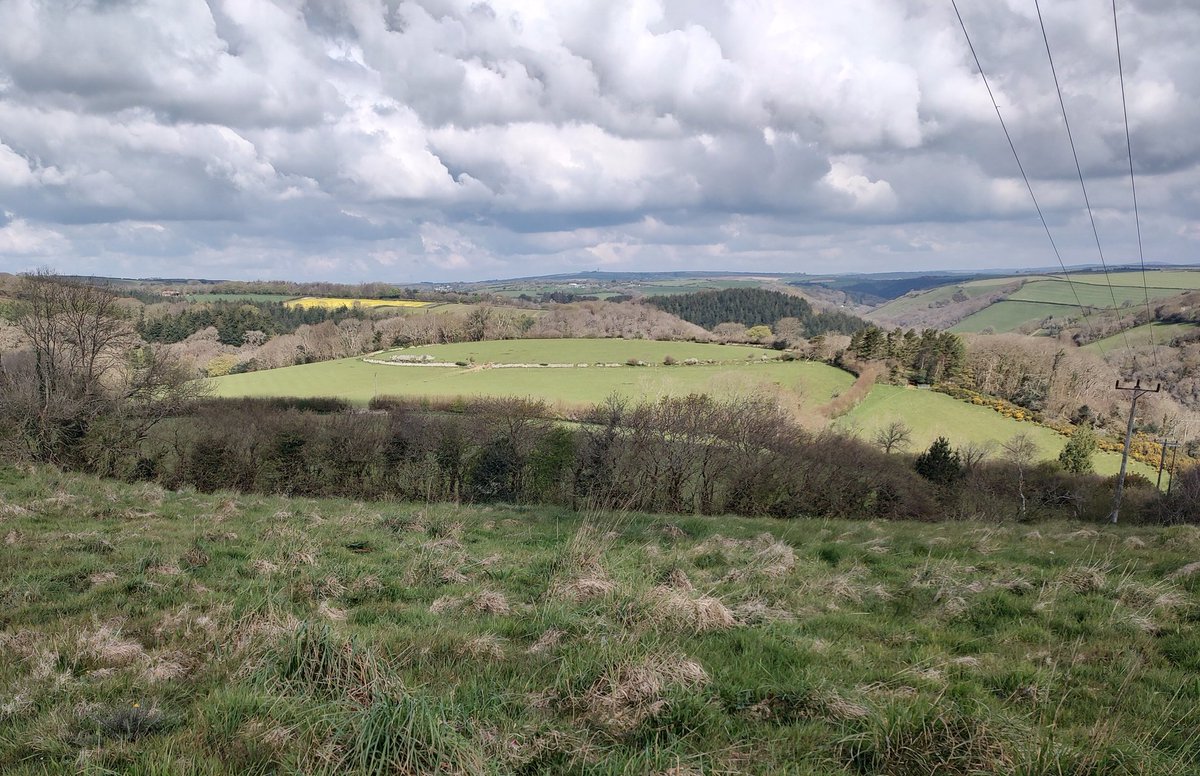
<point x="1076" y="456"/>
<point x="939" y="464"/>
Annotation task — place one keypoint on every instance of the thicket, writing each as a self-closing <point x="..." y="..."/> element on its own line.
<point x="683" y="455"/>
<point x="754" y="307"/>
<point x="926" y="357"/>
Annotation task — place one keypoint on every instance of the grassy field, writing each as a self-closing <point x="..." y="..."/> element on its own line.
<point x="1091" y="287"/>
<point x="147" y="632"/>
<point x="582" y="351"/>
<point x="1140" y="335"/>
<point x="331" y="302"/>
<point x="358" y="381"/>
<point x="1090" y="294"/>
<point x="930" y="415"/>
<point x="1008" y="316"/>
<point x="972" y="289"/>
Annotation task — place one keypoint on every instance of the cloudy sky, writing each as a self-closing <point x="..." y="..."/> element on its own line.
<point x="467" y="139"/>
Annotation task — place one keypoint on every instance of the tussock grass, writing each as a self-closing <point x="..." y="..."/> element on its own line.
<point x="145" y="631"/>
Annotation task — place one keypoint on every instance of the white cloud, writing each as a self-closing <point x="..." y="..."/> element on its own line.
<point x="439" y="138"/>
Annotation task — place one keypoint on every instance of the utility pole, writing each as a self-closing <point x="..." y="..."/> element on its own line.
<point x="1162" y="457"/>
<point x="1171" y="475"/>
<point x="1138" y="392"/>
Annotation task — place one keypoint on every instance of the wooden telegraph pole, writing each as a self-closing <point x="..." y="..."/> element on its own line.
<point x="1162" y="457"/>
<point x="1138" y="392"/>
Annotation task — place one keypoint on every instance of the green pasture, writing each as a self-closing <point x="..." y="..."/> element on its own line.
<point x="923" y="300"/>
<point x="359" y="381"/>
<point x="148" y="631"/>
<point x="580" y="351"/>
<point x="1008" y="316"/>
<point x="1163" y="334"/>
<point x="930" y="414"/>
<point x="1178" y="279"/>
<point x="1088" y="294"/>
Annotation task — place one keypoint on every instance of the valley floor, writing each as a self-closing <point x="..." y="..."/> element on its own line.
<point x="144" y="631"/>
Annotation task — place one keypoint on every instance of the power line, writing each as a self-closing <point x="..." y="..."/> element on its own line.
<point x="1079" y="169"/>
<point x="1133" y="184"/>
<point x="1017" y="157"/>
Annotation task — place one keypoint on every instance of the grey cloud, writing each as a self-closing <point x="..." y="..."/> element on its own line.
<point x="456" y="138"/>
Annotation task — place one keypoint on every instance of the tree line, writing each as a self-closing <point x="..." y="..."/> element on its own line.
<point x="233" y="320"/>
<point x="753" y="307"/>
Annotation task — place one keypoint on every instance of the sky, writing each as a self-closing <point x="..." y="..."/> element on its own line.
<point x="431" y="140"/>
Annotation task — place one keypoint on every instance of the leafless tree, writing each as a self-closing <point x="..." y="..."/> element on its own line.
<point x="84" y="390"/>
<point x="894" y="436"/>
<point x="1021" y="451"/>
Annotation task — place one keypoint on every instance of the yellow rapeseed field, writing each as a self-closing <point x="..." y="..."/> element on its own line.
<point x="334" y="302"/>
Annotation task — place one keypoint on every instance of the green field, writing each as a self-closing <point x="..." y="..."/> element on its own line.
<point x="1091" y="287"/>
<point x="1137" y="336"/>
<point x="583" y="351"/>
<point x="1179" y="279"/>
<point x="923" y="300"/>
<point x="358" y="381"/>
<point x="148" y="632"/>
<point x="1009" y="316"/>
<point x="930" y="414"/>
<point x="1090" y="294"/>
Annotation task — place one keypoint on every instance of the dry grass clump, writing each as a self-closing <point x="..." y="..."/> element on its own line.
<point x="104" y="645"/>
<point x="262" y="567"/>
<point x="758" y="612"/>
<point x="773" y="558"/>
<point x="547" y="641"/>
<point x="629" y="692"/>
<point x="488" y="646"/>
<point x="438" y="565"/>
<point x="584" y="588"/>
<point x="102" y="578"/>
<point x="489" y="602"/>
<point x="1084" y="579"/>
<point x="697" y="613"/>
<point x="256" y="630"/>
<point x="330" y="612"/>
<point x="677" y="579"/>
<point x="446" y="603"/>
<point x="11" y="538"/>
<point x="194" y="557"/>
<point x="1190" y="570"/>
<point x="672" y="531"/>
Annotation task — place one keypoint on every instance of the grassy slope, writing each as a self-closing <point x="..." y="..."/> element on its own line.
<point x="920" y="301"/>
<point x="359" y="381"/>
<point x="1008" y="316"/>
<point x="1092" y="289"/>
<point x="589" y="351"/>
<point x="931" y="415"/>
<point x="149" y="632"/>
<point x="1090" y="294"/>
<point x="1140" y="335"/>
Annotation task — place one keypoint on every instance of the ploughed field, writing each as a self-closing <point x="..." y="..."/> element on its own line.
<point x="147" y="632"/>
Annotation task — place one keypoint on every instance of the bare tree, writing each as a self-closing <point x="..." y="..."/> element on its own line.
<point x="972" y="454"/>
<point x="84" y="389"/>
<point x="894" y="436"/>
<point x="1021" y="451"/>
